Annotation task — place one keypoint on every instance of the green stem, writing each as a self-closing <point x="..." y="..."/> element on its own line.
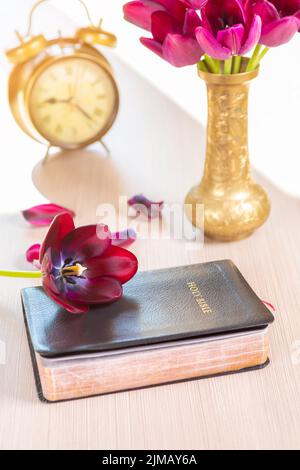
<point x="21" y="274"/>
<point x="202" y="66"/>
<point x="262" y="55"/>
<point x="252" y="64"/>
<point x="237" y="60"/>
<point x="212" y="64"/>
<point x="227" y="66"/>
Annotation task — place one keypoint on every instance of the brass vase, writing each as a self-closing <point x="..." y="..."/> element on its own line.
<point x="234" y="205"/>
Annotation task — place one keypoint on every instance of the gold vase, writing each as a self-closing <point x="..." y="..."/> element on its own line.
<point x="234" y="205"/>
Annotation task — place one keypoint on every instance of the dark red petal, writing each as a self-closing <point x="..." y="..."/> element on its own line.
<point x="70" y="306"/>
<point x="222" y="13"/>
<point x="86" y="242"/>
<point x="33" y="253"/>
<point x="97" y="290"/>
<point x="43" y="214"/>
<point x="116" y="262"/>
<point x="161" y="25"/>
<point x="60" y="227"/>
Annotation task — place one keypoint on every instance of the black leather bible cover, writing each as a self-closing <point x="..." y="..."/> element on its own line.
<point x="157" y="306"/>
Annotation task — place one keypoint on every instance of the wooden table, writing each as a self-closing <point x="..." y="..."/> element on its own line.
<point x="158" y="150"/>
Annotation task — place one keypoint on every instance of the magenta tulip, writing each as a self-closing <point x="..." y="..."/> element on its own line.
<point x="227" y="29"/>
<point x="172" y="24"/>
<point x="81" y="267"/>
<point x="280" y="20"/>
<point x="43" y="215"/>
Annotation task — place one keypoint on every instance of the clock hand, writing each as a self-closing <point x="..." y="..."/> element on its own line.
<point x="55" y="101"/>
<point x="83" y="112"/>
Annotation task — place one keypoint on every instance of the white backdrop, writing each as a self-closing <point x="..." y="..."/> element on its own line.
<point x="274" y="103"/>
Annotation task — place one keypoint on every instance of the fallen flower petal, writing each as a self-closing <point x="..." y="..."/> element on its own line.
<point x="124" y="237"/>
<point x="33" y="253"/>
<point x="142" y="204"/>
<point x="43" y="214"/>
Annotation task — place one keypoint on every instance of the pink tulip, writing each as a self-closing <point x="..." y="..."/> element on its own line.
<point x="172" y="24"/>
<point x="280" y="20"/>
<point x="227" y="29"/>
<point x="42" y="215"/>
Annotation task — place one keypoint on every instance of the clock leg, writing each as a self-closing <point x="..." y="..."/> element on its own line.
<point x="106" y="148"/>
<point x="46" y="157"/>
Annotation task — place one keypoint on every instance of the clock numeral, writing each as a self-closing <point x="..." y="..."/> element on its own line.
<point x="58" y="129"/>
<point x="101" y="97"/>
<point x="98" y="112"/>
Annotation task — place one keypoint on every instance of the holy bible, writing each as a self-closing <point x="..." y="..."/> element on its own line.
<point x="171" y="325"/>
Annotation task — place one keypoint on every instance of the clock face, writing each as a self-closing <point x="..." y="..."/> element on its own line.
<point x="73" y="101"/>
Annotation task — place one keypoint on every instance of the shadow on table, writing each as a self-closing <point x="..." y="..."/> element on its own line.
<point x="79" y="180"/>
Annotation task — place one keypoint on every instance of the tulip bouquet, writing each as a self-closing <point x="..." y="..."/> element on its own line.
<point x="215" y="34"/>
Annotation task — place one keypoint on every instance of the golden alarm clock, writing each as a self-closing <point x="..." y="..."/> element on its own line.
<point x="62" y="91"/>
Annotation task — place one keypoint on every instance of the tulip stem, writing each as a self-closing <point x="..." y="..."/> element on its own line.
<point x="212" y="64"/>
<point x="262" y="55"/>
<point x="252" y="64"/>
<point x="21" y="274"/>
<point x="202" y="66"/>
<point x="237" y="60"/>
<point x="227" y="66"/>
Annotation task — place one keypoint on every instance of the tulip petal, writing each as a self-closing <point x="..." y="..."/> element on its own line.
<point x="279" y="32"/>
<point x="139" y="12"/>
<point x="197" y="4"/>
<point x="265" y="10"/>
<point x="181" y="51"/>
<point x="124" y="237"/>
<point x="176" y="8"/>
<point x="74" y="307"/>
<point x="116" y="262"/>
<point x="43" y="214"/>
<point x="253" y="35"/>
<point x="211" y="46"/>
<point x="143" y="205"/>
<point x="232" y="37"/>
<point x="161" y="25"/>
<point x="96" y="290"/>
<point x="60" y="227"/>
<point x="153" y="46"/>
<point x="86" y="242"/>
<point x="191" y="22"/>
<point x="33" y="253"/>
<point x="223" y="13"/>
